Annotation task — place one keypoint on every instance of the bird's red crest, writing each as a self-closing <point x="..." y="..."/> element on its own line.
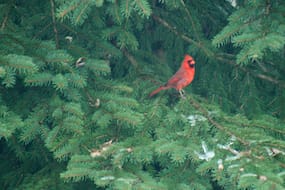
<point x="188" y="62"/>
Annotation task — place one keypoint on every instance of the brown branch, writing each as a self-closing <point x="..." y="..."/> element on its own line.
<point x="130" y="58"/>
<point x="270" y="79"/>
<point x="6" y="16"/>
<point x="54" y="24"/>
<point x="267" y="128"/>
<point x="3" y="25"/>
<point x="260" y="76"/>
<point x="191" y="19"/>
<point x="42" y="30"/>
<point x="219" y="57"/>
<point x="184" y="37"/>
<point x="255" y="125"/>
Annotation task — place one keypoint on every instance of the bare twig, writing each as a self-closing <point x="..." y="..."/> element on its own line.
<point x="6" y="16"/>
<point x="3" y="25"/>
<point x="54" y="23"/>
<point x="41" y="31"/>
<point x="130" y="58"/>
<point x="191" y="19"/>
<point x="184" y="37"/>
<point x="270" y="79"/>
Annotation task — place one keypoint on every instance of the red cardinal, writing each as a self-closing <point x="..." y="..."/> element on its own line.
<point x="181" y="78"/>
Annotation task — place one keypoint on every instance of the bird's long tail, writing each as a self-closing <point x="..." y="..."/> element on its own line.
<point x="158" y="90"/>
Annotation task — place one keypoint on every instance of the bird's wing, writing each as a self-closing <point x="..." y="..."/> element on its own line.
<point x="175" y="78"/>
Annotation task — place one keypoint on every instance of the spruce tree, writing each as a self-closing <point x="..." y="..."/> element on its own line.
<point x="74" y="83"/>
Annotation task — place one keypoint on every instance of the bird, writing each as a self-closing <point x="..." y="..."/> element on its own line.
<point x="182" y="78"/>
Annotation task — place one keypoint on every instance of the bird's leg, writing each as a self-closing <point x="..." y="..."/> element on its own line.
<point x="182" y="93"/>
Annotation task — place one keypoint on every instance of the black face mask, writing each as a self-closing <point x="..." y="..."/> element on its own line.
<point x="191" y="65"/>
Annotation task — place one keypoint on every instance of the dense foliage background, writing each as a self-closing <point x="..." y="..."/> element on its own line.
<point x="74" y="83"/>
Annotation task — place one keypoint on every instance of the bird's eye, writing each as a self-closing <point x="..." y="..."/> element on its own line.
<point x="189" y="61"/>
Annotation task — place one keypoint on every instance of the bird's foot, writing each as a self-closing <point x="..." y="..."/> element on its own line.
<point x="182" y="94"/>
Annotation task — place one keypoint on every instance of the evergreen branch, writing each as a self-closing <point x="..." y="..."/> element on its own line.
<point x="73" y="109"/>
<point x="260" y="76"/>
<point x="123" y="101"/>
<point x="38" y="79"/>
<point x="9" y="79"/>
<point x="214" y="123"/>
<point x="123" y="88"/>
<point x="5" y="19"/>
<point x="63" y="152"/>
<point x="9" y="122"/>
<point x="270" y="79"/>
<point x="268" y="128"/>
<point x="42" y="30"/>
<point x="243" y="56"/>
<point x="101" y="119"/>
<point x="191" y="19"/>
<point x="58" y="56"/>
<point x="115" y="12"/>
<point x="128" y="117"/>
<point x="273" y="143"/>
<point x="143" y="6"/>
<point x="75" y="174"/>
<point x="92" y="102"/>
<point x="2" y="72"/>
<point x="76" y="80"/>
<point x="68" y="10"/>
<point x="128" y="40"/>
<point x="73" y="125"/>
<point x="22" y="64"/>
<point x="60" y="82"/>
<point x="71" y="30"/>
<point x="4" y="22"/>
<point x="235" y="26"/>
<point x="54" y="23"/>
<point x="154" y="142"/>
<point x="171" y="28"/>
<point x="228" y="32"/>
<point x="130" y="58"/>
<point x="33" y="125"/>
<point x="50" y="140"/>
<point x="82" y="13"/>
<point x="125" y="9"/>
<point x="98" y="66"/>
<point x="254" y="124"/>
<point x="208" y="52"/>
<point x="242" y="39"/>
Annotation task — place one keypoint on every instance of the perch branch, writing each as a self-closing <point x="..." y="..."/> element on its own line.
<point x="211" y="54"/>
